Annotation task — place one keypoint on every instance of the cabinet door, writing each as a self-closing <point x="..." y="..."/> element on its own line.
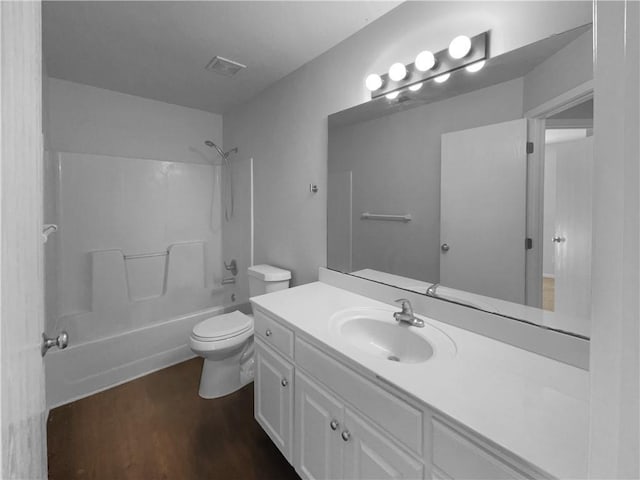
<point x="274" y="398"/>
<point x="369" y="454"/>
<point x="318" y="448"/>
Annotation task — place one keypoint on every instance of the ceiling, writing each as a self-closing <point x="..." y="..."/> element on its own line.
<point x="159" y="50"/>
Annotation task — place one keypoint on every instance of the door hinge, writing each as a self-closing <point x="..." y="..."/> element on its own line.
<point x="528" y="243"/>
<point x="529" y="147"/>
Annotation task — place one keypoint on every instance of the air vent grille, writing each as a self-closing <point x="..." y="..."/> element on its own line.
<point x="224" y="66"/>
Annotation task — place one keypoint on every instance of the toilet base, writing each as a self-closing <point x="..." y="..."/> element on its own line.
<point x="219" y="378"/>
<point x="225" y="376"/>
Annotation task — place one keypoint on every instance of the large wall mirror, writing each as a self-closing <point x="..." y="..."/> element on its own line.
<point x="477" y="190"/>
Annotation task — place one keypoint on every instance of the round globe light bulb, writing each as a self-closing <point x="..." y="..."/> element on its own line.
<point x="442" y="78"/>
<point x="397" y="72"/>
<point x="460" y="46"/>
<point x="392" y="95"/>
<point x="415" y="87"/>
<point x="425" y="61"/>
<point x="373" y="82"/>
<point x="475" y="67"/>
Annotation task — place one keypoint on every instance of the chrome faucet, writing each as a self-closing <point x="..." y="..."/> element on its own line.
<point x="406" y="315"/>
<point x="431" y="291"/>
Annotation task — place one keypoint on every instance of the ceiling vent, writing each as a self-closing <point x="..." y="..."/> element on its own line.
<point x="223" y="66"/>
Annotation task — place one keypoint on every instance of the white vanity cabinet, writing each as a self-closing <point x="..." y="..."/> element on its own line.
<point x="332" y="421"/>
<point x="370" y="454"/>
<point x="333" y="441"/>
<point x="273" y="397"/>
<point x="459" y="454"/>
<point x="319" y="418"/>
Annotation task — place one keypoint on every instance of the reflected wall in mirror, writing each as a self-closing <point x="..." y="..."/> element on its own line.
<point x="439" y="191"/>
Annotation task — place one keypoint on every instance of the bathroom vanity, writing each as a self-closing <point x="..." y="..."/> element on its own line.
<point x="435" y="402"/>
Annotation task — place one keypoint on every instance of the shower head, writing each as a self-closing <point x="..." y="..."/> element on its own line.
<point x="224" y="155"/>
<point x="210" y="144"/>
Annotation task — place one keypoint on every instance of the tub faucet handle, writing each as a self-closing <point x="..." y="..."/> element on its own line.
<point x="232" y="266"/>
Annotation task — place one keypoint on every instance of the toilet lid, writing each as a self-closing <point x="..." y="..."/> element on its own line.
<point x="223" y="326"/>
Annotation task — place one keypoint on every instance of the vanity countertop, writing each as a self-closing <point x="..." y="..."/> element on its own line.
<point x="533" y="406"/>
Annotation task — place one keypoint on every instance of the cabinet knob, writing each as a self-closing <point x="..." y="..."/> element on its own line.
<point x="61" y="341"/>
<point x="334" y="425"/>
<point x="284" y="382"/>
<point x="346" y="435"/>
<point x="268" y="333"/>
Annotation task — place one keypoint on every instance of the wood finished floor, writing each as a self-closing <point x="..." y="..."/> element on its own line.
<point x="157" y="427"/>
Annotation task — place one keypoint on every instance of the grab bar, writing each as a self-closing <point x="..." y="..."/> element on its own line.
<point x="147" y="255"/>
<point x="386" y="217"/>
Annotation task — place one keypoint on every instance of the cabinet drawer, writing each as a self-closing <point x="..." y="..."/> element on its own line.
<point x="395" y="416"/>
<point x="274" y="334"/>
<point x="460" y="457"/>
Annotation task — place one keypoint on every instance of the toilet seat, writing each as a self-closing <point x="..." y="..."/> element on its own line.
<point x="222" y="327"/>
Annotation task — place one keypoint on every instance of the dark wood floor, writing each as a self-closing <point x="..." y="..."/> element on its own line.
<point x="157" y="427"/>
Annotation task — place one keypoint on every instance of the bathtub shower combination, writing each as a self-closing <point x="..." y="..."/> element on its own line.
<point x="135" y="264"/>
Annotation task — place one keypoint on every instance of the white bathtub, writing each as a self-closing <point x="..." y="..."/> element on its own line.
<point x="87" y="368"/>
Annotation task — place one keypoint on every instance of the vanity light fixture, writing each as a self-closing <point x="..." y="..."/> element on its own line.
<point x="475" y="67"/>
<point x="425" y="61"/>
<point x="460" y="47"/>
<point x="462" y="52"/>
<point x="373" y="82"/>
<point x="397" y="72"/>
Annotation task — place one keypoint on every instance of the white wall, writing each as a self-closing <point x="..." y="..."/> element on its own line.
<point x="395" y="160"/>
<point x="284" y="128"/>
<point x="566" y="69"/>
<point x="84" y="119"/>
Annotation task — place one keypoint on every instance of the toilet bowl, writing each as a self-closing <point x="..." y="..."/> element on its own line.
<point x="226" y="341"/>
<point x="222" y="341"/>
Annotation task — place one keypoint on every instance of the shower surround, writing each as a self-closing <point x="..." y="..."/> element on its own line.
<point x="136" y="262"/>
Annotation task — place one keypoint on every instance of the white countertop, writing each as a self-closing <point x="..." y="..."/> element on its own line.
<point x="533" y="406"/>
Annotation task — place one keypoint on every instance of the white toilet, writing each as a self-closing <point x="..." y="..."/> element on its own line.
<point x="226" y="341"/>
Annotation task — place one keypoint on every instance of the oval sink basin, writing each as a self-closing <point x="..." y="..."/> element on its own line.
<point x="397" y="343"/>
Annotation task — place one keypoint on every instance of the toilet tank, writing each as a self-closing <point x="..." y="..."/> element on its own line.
<point x="266" y="279"/>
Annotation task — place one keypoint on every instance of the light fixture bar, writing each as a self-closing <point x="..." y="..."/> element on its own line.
<point x="444" y="64"/>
